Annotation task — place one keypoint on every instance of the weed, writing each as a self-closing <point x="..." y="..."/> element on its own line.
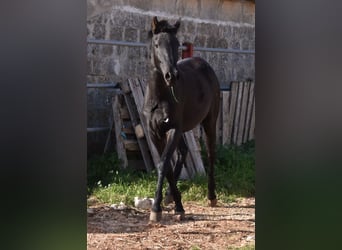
<point x="234" y="174"/>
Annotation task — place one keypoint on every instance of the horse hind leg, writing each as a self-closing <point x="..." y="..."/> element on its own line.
<point x="209" y="125"/>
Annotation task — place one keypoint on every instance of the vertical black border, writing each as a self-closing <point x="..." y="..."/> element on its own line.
<point x="298" y="124"/>
<point x="43" y="125"/>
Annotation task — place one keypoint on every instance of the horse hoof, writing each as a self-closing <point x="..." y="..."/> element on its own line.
<point x="155" y="216"/>
<point x="212" y="203"/>
<point x="168" y="199"/>
<point x="179" y="216"/>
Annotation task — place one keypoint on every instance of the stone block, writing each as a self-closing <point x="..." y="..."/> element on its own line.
<point x="143" y="36"/>
<point x="227" y="31"/>
<point x="99" y="28"/>
<point x="221" y="43"/>
<point x="130" y="34"/>
<point x="200" y="41"/>
<point x="106" y="50"/>
<point x="189" y="27"/>
<point x="244" y="43"/>
<point x="116" y="33"/>
<point x="89" y="65"/>
<point x="211" y="42"/>
<point x="136" y="21"/>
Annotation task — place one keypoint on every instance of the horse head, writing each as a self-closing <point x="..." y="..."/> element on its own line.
<point x="164" y="48"/>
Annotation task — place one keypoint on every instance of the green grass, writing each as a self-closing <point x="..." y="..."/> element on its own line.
<point x="234" y="174"/>
<point x="252" y="247"/>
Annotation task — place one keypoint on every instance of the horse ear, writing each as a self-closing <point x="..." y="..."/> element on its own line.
<point x="154" y="24"/>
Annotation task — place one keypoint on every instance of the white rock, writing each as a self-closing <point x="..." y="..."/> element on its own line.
<point x="250" y="238"/>
<point x="115" y="206"/>
<point x="120" y="206"/>
<point x="144" y="203"/>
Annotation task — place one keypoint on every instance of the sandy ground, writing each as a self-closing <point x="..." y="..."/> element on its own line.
<point x="227" y="226"/>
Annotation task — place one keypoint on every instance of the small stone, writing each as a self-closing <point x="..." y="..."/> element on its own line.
<point x="114" y="206"/>
<point x="122" y="206"/>
<point x="250" y="238"/>
<point x="145" y="203"/>
<point x="177" y="217"/>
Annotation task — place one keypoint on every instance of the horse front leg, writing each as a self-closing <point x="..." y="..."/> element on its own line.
<point x="182" y="151"/>
<point x="165" y="170"/>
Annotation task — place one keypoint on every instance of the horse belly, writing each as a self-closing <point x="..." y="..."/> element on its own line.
<point x="194" y="114"/>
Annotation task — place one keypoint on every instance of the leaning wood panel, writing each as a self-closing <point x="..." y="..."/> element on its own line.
<point x="137" y="93"/>
<point x="243" y="111"/>
<point x="197" y="131"/>
<point x="225" y="117"/>
<point x="143" y="84"/>
<point x="249" y="112"/>
<point x="237" y="113"/>
<point x="219" y="123"/>
<point x="120" y="148"/>
<point x="194" y="152"/>
<point x="232" y="109"/>
<point x="252" y="128"/>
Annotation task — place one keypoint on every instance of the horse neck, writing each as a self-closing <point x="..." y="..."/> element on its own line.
<point x="156" y="84"/>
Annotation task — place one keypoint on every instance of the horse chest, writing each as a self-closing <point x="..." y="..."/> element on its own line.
<point x="162" y="118"/>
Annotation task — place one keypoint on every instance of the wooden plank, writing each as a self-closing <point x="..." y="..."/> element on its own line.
<point x="109" y="136"/>
<point x="194" y="152"/>
<point x="197" y="132"/>
<point x="237" y="112"/>
<point x="225" y="117"/>
<point x="128" y="130"/>
<point x="252" y="127"/>
<point x="139" y="132"/>
<point x="124" y="113"/>
<point x="137" y="93"/>
<point x="219" y="122"/>
<point x="138" y="99"/>
<point x="120" y="149"/>
<point x="243" y="111"/>
<point x="232" y="109"/>
<point x="143" y="84"/>
<point x="131" y="145"/>
<point x="249" y="112"/>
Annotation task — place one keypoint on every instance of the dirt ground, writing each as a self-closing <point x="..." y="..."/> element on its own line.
<point x="227" y="226"/>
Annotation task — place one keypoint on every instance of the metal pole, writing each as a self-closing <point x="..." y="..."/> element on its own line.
<point x="117" y="43"/>
<point x="221" y="50"/>
<point x="89" y="130"/>
<point x="102" y="85"/>
<point x="138" y="44"/>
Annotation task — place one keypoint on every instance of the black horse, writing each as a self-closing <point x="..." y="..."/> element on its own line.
<point x="179" y="96"/>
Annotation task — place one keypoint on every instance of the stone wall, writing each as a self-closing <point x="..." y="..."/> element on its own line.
<point x="205" y="23"/>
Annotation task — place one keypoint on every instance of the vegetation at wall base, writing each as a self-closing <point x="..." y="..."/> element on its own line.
<point x="234" y="174"/>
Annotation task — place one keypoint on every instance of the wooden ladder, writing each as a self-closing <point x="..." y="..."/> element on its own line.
<point x="129" y="136"/>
